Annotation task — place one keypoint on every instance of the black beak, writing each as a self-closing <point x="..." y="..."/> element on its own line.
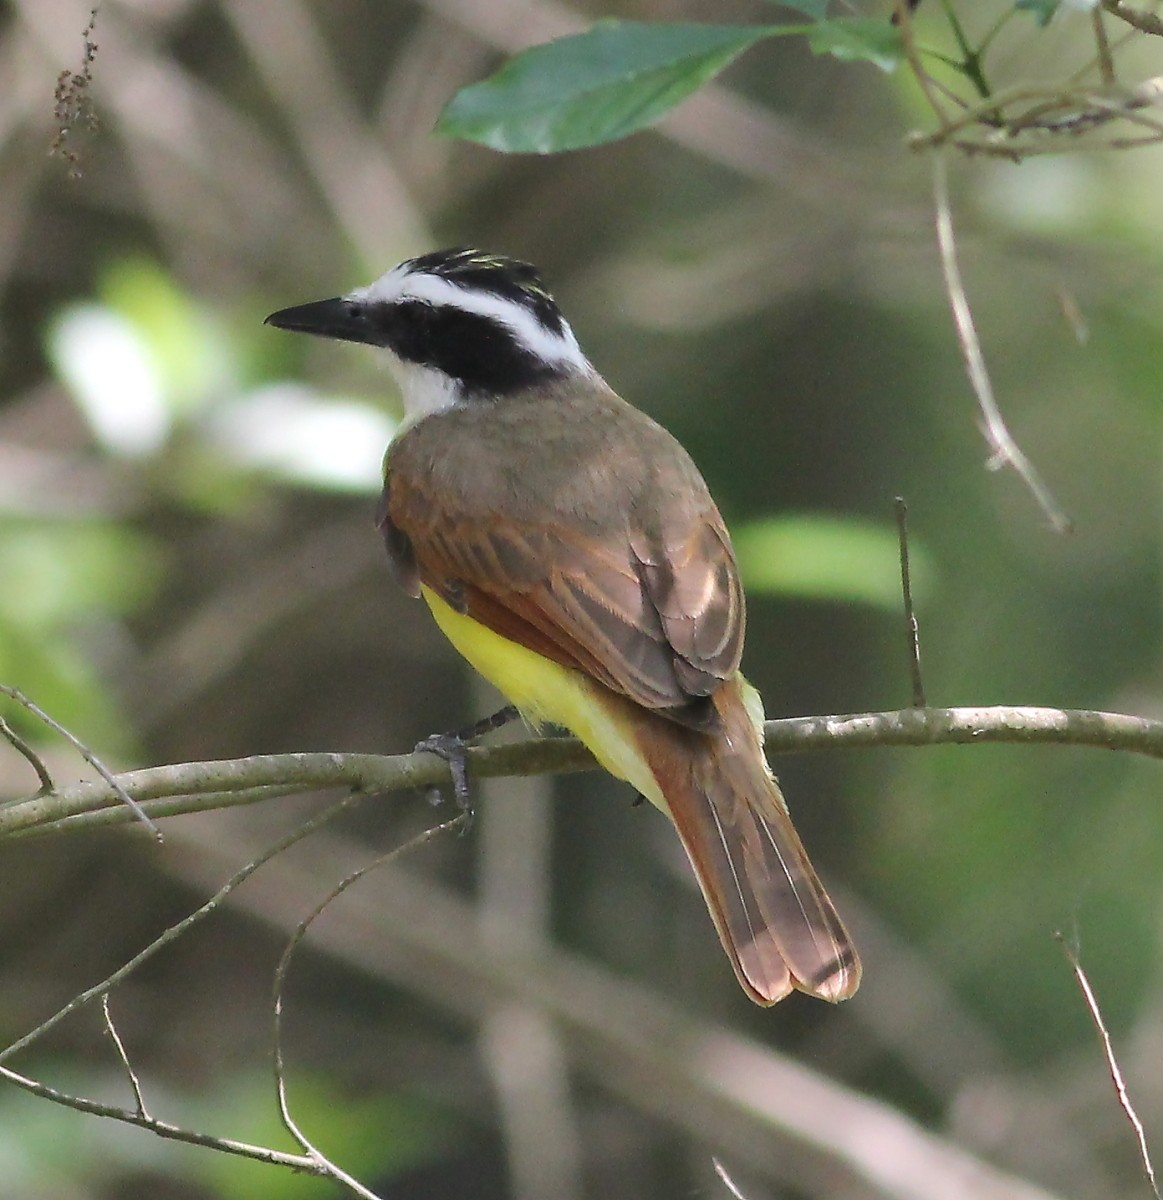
<point x="337" y="318"/>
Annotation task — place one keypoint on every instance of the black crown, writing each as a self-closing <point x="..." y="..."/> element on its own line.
<point x="509" y="278"/>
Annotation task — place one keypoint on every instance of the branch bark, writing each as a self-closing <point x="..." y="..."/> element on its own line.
<point x="202" y="786"/>
<point x="1146" y="22"/>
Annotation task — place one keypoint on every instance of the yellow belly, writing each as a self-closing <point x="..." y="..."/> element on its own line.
<point x="545" y="691"/>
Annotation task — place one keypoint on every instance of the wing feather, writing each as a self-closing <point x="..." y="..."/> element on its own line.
<point x="609" y="556"/>
<point x="651" y="607"/>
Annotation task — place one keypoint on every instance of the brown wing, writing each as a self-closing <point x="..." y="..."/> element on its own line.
<point x="651" y="608"/>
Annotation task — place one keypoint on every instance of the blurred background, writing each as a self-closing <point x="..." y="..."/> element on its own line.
<point x="189" y="569"/>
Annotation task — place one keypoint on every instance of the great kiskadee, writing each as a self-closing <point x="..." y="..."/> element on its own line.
<point x="569" y="548"/>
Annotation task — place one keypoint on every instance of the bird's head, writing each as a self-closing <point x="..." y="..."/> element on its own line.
<point x="458" y="325"/>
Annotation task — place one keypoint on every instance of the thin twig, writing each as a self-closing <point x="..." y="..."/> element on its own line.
<point x="175" y="931"/>
<point x="1005" y="449"/>
<point x="1133" y="143"/>
<point x="912" y="629"/>
<point x="1071" y="952"/>
<point x="1106" y="63"/>
<point x="978" y="114"/>
<point x="903" y="18"/>
<point x="312" y="1160"/>
<point x="289" y="1122"/>
<point x="1073" y="315"/>
<point x="728" y="1182"/>
<point x="781" y="1120"/>
<point x="164" y="1129"/>
<point x="35" y="761"/>
<point x="1017" y="137"/>
<point x="174" y="806"/>
<point x="1015" y="154"/>
<point x="134" y="1082"/>
<point x="1145" y="22"/>
<point x="87" y="754"/>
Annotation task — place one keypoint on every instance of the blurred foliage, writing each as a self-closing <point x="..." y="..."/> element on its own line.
<point x="821" y="557"/>
<point x="64" y="582"/>
<point x="188" y="565"/>
<point x="377" y="1136"/>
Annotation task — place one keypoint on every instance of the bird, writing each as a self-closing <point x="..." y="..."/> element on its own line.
<point x="569" y="548"/>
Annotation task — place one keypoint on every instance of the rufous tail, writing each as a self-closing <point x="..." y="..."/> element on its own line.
<point x="774" y="918"/>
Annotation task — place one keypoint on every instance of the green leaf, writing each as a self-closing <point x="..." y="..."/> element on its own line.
<point x="594" y="87"/>
<point x="829" y="558"/>
<point x="859" y="39"/>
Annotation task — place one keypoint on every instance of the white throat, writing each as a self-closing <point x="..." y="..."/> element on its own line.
<point x="424" y="390"/>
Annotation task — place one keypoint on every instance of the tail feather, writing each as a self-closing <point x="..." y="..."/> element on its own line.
<point x="774" y="918"/>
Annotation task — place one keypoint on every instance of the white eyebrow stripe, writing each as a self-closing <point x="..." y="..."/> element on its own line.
<point x="546" y="345"/>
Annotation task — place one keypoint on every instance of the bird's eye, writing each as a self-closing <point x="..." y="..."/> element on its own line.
<point x="351" y="309"/>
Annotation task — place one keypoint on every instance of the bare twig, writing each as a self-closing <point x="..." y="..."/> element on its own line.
<point x="1112" y="1065"/>
<point x="1073" y="315"/>
<point x="912" y="629"/>
<point x="35" y="761"/>
<point x="1017" y="122"/>
<point x="311" y="1160"/>
<point x="164" y="1129"/>
<point x="122" y="795"/>
<point x="728" y="1182"/>
<point x="176" y="931"/>
<point x="134" y="1082"/>
<point x="1020" y="122"/>
<point x="1005" y="451"/>
<point x="1008" y="150"/>
<point x="312" y="1151"/>
<point x="771" y="1114"/>
<point x="984" y="112"/>
<point x="903" y="18"/>
<point x="1106" y="64"/>
<point x="1145" y="22"/>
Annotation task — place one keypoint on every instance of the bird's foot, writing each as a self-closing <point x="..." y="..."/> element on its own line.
<point x="453" y="748"/>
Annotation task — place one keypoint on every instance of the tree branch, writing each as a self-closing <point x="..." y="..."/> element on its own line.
<point x="80" y="747"/>
<point x="1112" y="1063"/>
<point x="756" y="1107"/>
<point x="312" y="1160"/>
<point x="325" y="1164"/>
<point x="176" y="930"/>
<point x="1005" y="451"/>
<point x="201" y="786"/>
<point x="1146" y="22"/>
<point x="164" y="1129"/>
